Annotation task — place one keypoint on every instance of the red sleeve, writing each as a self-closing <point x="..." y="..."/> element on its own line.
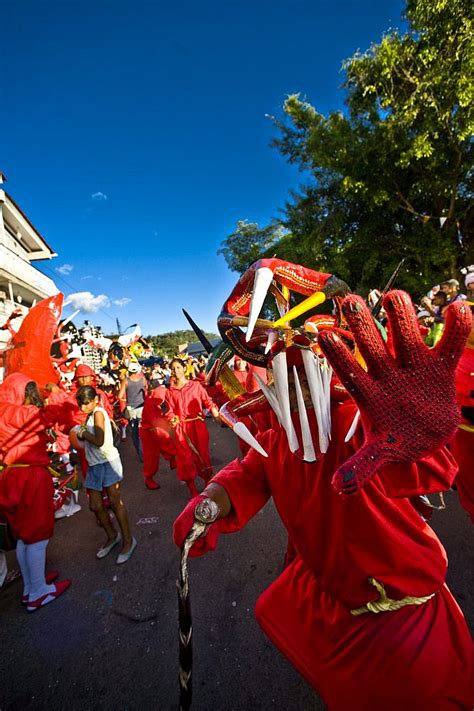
<point x="206" y="401"/>
<point x="429" y="475"/>
<point x="247" y="486"/>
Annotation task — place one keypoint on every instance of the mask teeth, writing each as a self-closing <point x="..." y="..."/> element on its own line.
<point x="308" y="448"/>
<point x="244" y="433"/>
<point x="313" y="376"/>
<point x="271" y="397"/>
<point x="280" y="376"/>
<point x="272" y="336"/>
<point x="326" y="372"/>
<point x="352" y="428"/>
<point x="261" y="284"/>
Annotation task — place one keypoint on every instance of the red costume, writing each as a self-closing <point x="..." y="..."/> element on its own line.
<point x="192" y="437"/>
<point x="462" y="444"/>
<point x="353" y="661"/>
<point x="26" y="492"/>
<point x="156" y="434"/>
<point x="362" y="611"/>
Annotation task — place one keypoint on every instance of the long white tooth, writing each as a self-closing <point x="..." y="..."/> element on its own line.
<point x="352" y="428"/>
<point x="327" y="375"/>
<point x="272" y="336"/>
<point x="261" y="284"/>
<point x="313" y="377"/>
<point x="244" y="433"/>
<point x="271" y="397"/>
<point x="280" y="376"/>
<point x="308" y="448"/>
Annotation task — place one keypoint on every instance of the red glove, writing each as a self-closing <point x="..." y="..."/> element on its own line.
<point x="183" y="525"/>
<point x="407" y="401"/>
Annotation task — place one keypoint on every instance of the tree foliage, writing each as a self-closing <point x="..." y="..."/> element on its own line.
<point x="166" y="344"/>
<point x="248" y="242"/>
<point x="390" y="177"/>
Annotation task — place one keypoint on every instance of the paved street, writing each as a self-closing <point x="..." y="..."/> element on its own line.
<point x="111" y="641"/>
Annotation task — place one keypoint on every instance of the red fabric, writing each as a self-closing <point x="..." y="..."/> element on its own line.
<point x="188" y="403"/>
<point x="251" y="384"/>
<point x="156" y="434"/>
<point x="462" y="447"/>
<point x="462" y="444"/>
<point x="340" y="542"/>
<point x="183" y="525"/>
<point x="26" y="493"/>
<point x="29" y="349"/>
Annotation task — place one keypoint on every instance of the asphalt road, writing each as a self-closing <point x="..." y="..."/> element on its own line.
<point x="110" y="642"/>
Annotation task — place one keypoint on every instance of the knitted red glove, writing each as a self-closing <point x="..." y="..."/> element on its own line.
<point x="407" y="401"/>
<point x="183" y="525"/>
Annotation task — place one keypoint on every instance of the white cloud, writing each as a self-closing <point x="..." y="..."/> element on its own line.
<point x="88" y="276"/>
<point x="121" y="302"/>
<point x="87" y="302"/>
<point x="99" y="197"/>
<point x="65" y="269"/>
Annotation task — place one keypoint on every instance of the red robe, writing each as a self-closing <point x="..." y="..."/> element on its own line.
<point x="26" y="492"/>
<point x="192" y="437"/>
<point x="156" y="434"/>
<point x="418" y="657"/>
<point x="462" y="445"/>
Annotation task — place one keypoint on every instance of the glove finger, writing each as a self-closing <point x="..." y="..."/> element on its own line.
<point x="458" y="319"/>
<point x="348" y="370"/>
<point x="360" y="469"/>
<point x="407" y="342"/>
<point x="366" y="334"/>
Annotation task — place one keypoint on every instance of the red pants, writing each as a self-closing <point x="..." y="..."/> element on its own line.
<point x="155" y="444"/>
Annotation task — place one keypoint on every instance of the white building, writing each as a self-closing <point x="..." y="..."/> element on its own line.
<point x="21" y="285"/>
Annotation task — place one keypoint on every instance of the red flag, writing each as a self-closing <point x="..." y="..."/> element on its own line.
<point x="29" y="350"/>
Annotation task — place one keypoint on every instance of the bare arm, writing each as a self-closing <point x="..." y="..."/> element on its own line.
<point x="99" y="431"/>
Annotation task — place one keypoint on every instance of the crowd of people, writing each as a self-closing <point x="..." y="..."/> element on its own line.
<point x="355" y="507"/>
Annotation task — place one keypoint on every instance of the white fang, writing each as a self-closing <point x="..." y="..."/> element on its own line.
<point x="308" y="448"/>
<point x="261" y="284"/>
<point x="244" y="433"/>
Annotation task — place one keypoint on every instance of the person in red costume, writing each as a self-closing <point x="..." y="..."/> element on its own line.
<point x="462" y="445"/>
<point x="186" y="400"/>
<point x="155" y="436"/>
<point x="362" y="611"/>
<point x="26" y="486"/>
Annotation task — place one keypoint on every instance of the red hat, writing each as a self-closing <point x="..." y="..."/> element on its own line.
<point x="82" y="371"/>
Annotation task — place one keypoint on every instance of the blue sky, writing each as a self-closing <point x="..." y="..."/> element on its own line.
<point x="134" y="135"/>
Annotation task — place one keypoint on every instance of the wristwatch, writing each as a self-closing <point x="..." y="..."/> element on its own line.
<point x="207" y="511"/>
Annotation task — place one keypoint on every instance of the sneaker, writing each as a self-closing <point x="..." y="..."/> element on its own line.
<point x="105" y="550"/>
<point x="49" y="578"/>
<point x="123" y="557"/>
<point x="60" y="587"/>
<point x="151" y="484"/>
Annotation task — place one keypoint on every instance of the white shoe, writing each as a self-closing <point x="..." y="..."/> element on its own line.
<point x="105" y="550"/>
<point x="67" y="510"/>
<point x="123" y="557"/>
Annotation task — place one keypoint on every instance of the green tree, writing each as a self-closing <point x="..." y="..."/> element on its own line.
<point x="248" y="242"/>
<point x="166" y="344"/>
<point x="391" y="177"/>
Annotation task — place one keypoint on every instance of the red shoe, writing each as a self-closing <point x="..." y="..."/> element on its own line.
<point x="151" y="484"/>
<point x="49" y="578"/>
<point x="60" y="587"/>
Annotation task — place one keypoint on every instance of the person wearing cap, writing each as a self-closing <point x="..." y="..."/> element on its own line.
<point x="132" y="393"/>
